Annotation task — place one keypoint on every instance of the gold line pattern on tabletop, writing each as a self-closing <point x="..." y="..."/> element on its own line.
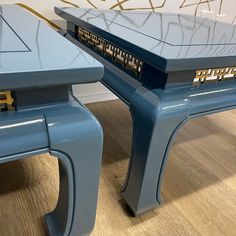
<point x="221" y="4"/>
<point x="38" y="15"/>
<point x="119" y="4"/>
<point x="234" y="20"/>
<point x="183" y="5"/>
<point x="150" y="1"/>
<point x="147" y="8"/>
<point x="91" y="4"/>
<point x="70" y="3"/>
<point x="151" y="5"/>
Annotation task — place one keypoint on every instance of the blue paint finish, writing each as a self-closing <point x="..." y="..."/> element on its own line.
<point x="10" y="42"/>
<point x="157" y="111"/>
<point x="67" y="131"/>
<point x="170" y="42"/>
<point x="75" y="133"/>
<point x="163" y="113"/>
<point x="51" y="60"/>
<point x="12" y="126"/>
<point x="47" y="118"/>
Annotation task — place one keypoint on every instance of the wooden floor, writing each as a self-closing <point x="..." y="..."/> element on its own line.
<point x="199" y="189"/>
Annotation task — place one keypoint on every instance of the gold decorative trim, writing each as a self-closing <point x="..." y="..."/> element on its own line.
<point x="6" y="101"/>
<point x="214" y="75"/>
<point x="117" y="55"/>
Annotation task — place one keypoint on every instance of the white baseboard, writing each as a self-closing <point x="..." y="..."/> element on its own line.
<point x="90" y="93"/>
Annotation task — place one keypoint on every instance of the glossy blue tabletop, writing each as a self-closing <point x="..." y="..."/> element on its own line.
<point x="170" y="42"/>
<point x="10" y="42"/>
<point x="32" y="54"/>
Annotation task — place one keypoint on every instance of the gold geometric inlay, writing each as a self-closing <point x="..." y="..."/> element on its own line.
<point x="118" y="55"/>
<point x="6" y="101"/>
<point x="214" y="75"/>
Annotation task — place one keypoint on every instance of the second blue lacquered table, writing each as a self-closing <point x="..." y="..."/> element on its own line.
<point x="167" y="68"/>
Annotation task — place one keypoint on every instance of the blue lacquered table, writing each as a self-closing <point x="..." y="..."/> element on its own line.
<point x="38" y="114"/>
<point x="167" y="68"/>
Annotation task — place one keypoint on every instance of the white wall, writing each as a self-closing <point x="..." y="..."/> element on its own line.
<point x="222" y="10"/>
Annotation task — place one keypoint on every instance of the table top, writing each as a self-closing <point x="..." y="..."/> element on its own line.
<point x="32" y="54"/>
<point x="170" y="42"/>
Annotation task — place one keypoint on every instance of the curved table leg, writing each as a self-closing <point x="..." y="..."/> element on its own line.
<point x="75" y="137"/>
<point x="155" y="122"/>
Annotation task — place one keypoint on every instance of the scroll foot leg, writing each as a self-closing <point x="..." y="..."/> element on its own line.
<point x="155" y="122"/>
<point x="75" y="137"/>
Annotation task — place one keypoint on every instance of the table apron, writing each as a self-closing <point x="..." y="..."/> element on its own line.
<point x="21" y="133"/>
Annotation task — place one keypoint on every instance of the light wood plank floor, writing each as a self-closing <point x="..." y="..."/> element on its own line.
<point x="199" y="187"/>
